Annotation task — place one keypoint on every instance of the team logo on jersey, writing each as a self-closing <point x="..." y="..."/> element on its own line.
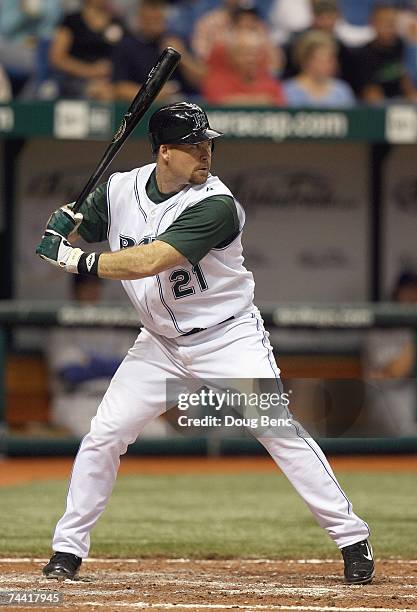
<point x="147" y="239"/>
<point x="126" y="241"/>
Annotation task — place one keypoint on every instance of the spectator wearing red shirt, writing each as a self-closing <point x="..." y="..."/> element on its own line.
<point x="214" y="28"/>
<point x="237" y="73"/>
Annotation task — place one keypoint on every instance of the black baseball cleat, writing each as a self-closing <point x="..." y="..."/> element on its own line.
<point x="62" y="566"/>
<point x="359" y="563"/>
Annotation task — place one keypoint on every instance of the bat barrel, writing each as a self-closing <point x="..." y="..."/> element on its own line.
<point x="158" y="76"/>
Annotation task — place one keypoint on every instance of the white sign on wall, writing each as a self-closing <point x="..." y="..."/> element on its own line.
<point x="307" y="227"/>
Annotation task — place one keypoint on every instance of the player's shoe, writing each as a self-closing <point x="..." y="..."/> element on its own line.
<point x="359" y="563"/>
<point x="62" y="566"/>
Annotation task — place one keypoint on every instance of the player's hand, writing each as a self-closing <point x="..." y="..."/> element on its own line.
<point x="56" y="250"/>
<point x="64" y="221"/>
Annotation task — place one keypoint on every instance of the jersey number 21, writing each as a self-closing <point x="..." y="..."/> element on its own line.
<point x="181" y="282"/>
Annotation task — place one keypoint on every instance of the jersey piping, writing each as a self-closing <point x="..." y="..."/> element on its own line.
<point x="138" y="197"/>
<point x="108" y="206"/>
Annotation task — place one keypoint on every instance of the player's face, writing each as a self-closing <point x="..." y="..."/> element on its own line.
<point x="191" y="162"/>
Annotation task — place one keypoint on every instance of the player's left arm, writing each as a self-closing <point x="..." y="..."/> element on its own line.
<point x="127" y="264"/>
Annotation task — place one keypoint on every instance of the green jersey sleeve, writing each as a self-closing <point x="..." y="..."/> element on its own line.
<point x="212" y="223"/>
<point x="95" y="215"/>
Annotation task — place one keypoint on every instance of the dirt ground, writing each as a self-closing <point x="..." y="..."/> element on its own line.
<point x="20" y="471"/>
<point x="183" y="584"/>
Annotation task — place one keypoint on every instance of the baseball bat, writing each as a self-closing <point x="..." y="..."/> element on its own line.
<point x="158" y="76"/>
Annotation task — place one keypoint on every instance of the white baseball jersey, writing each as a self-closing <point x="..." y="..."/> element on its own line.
<point x="176" y="301"/>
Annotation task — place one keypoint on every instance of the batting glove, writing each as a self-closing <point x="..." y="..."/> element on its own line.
<point x="56" y="250"/>
<point x="64" y="221"/>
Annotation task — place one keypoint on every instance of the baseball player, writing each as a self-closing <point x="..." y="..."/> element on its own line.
<point x="174" y="232"/>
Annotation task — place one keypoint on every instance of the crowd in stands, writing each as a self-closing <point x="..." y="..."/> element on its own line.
<point x="305" y="53"/>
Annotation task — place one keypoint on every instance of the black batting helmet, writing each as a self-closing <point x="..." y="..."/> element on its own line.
<point x="180" y="123"/>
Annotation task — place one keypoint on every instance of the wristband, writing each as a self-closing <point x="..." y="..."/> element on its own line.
<point x="88" y="264"/>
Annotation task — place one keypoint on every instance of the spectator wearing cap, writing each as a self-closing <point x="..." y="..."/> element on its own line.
<point x="325" y="14"/>
<point x="82" y="48"/>
<point x="138" y="52"/>
<point x="242" y="77"/>
<point x="389" y="362"/>
<point x="381" y="69"/>
<point x="315" y="84"/>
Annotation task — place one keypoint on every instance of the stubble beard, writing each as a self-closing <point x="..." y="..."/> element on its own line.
<point x="198" y="177"/>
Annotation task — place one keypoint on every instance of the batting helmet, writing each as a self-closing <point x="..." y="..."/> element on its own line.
<point x="180" y="123"/>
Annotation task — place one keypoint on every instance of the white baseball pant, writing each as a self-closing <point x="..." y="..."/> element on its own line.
<point x="239" y="348"/>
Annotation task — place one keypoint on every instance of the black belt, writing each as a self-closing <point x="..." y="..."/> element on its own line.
<point x="199" y="329"/>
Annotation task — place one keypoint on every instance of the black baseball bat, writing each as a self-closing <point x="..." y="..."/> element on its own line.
<point x="158" y="76"/>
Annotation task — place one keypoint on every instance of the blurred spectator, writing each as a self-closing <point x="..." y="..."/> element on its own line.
<point x="184" y="14"/>
<point x="241" y="75"/>
<point x="137" y="53"/>
<point x="381" y="70"/>
<point x="5" y="87"/>
<point x="23" y="23"/>
<point x="214" y="27"/>
<point x="325" y="14"/>
<point x="358" y="12"/>
<point x="408" y="29"/>
<point x="82" y="361"/>
<point x="315" y="85"/>
<point x="389" y="357"/>
<point x="82" y="49"/>
<point x="126" y="10"/>
<point x="246" y="20"/>
<point x="288" y="18"/>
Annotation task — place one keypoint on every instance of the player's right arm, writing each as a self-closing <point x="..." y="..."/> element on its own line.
<point x="139" y="261"/>
<point x="212" y="223"/>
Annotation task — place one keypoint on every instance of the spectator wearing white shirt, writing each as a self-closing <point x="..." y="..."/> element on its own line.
<point x="288" y="17"/>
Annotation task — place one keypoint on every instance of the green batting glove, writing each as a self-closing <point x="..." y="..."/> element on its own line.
<point x="56" y="250"/>
<point x="64" y="221"/>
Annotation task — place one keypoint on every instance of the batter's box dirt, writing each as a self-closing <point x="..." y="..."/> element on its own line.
<point x="182" y="584"/>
